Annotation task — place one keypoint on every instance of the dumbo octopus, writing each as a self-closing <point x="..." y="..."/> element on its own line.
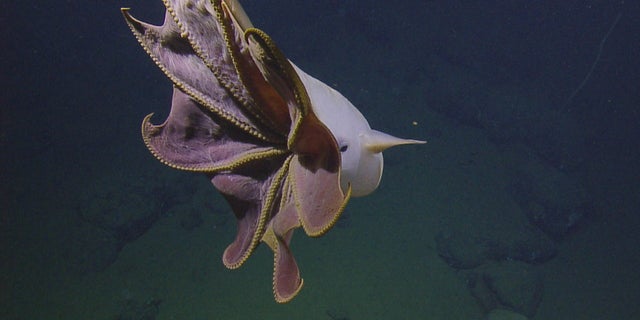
<point x="284" y="149"/>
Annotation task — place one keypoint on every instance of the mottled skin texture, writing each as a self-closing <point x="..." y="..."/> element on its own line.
<point x="241" y="115"/>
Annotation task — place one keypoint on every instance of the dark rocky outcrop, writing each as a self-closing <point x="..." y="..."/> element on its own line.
<point x="114" y="211"/>
<point x="472" y="248"/>
<point x="509" y="284"/>
<point x="551" y="199"/>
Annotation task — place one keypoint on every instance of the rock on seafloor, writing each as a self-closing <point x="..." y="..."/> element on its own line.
<point x="508" y="284"/>
<point x="551" y="199"/>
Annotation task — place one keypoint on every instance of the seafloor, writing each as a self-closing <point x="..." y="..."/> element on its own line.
<point x="532" y="209"/>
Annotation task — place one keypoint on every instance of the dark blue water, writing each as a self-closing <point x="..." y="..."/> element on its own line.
<point x="525" y="197"/>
